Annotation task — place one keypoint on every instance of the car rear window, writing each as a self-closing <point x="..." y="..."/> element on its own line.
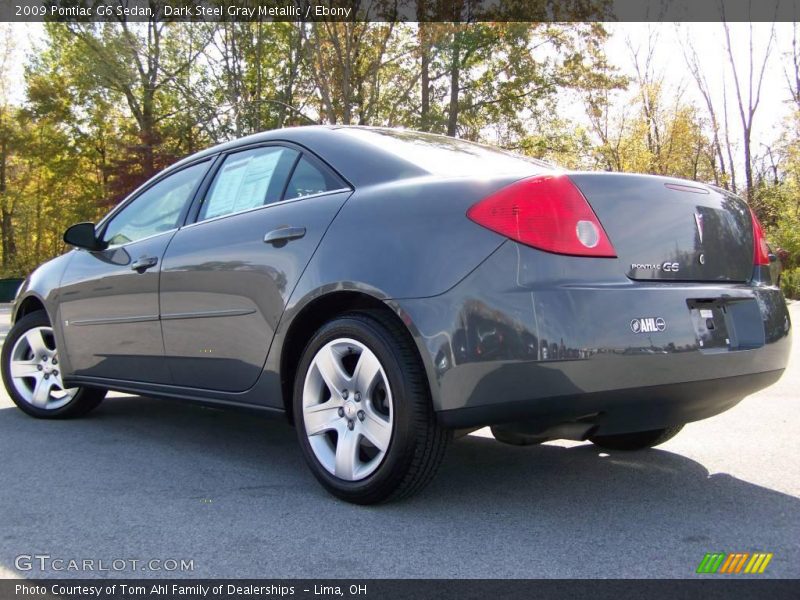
<point x="446" y="156"/>
<point x="308" y="180"/>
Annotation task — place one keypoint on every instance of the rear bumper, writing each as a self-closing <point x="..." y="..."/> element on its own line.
<point x="619" y="410"/>
<point x="547" y="338"/>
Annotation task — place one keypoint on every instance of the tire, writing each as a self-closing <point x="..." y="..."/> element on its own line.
<point x="51" y="401"/>
<point x="366" y="350"/>
<point x="636" y="441"/>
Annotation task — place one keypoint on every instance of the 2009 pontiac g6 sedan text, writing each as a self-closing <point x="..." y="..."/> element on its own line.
<point x="383" y="289"/>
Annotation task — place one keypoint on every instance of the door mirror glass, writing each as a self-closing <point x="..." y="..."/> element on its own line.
<point x="83" y="235"/>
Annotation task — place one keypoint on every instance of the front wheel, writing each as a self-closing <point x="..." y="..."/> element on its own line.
<point x="636" y="441"/>
<point x="363" y="412"/>
<point x="32" y="372"/>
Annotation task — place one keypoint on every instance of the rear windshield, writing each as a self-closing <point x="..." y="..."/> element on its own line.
<point x="446" y="156"/>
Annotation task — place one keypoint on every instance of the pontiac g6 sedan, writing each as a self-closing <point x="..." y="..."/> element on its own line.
<point x="384" y="289"/>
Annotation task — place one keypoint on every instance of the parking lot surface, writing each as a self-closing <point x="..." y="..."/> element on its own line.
<point x="148" y="479"/>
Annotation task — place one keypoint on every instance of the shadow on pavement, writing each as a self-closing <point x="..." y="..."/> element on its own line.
<point x="148" y="477"/>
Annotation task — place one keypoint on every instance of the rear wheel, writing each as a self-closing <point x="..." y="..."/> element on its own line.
<point x="636" y="441"/>
<point x="363" y="412"/>
<point x="32" y="372"/>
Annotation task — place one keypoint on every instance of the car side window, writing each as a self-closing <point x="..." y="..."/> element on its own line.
<point x="248" y="179"/>
<point x="308" y="179"/>
<point x="157" y="209"/>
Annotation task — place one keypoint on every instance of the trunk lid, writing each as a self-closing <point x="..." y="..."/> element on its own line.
<point x="666" y="229"/>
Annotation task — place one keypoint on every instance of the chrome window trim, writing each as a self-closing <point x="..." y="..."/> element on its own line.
<point x="255" y="208"/>
<point x="149" y="237"/>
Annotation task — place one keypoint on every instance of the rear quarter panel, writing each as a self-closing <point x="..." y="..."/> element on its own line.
<point x="407" y="239"/>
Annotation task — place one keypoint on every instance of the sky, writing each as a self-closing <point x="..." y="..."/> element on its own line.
<point x="709" y="42"/>
<point x="708" y="39"/>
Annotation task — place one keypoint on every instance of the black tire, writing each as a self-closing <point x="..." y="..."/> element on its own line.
<point x="636" y="441"/>
<point x="417" y="444"/>
<point x="84" y="400"/>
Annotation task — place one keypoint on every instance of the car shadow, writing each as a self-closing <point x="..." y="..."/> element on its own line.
<point x="144" y="476"/>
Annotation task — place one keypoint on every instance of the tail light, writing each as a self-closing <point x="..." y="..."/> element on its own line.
<point x="547" y="212"/>
<point x="760" y="248"/>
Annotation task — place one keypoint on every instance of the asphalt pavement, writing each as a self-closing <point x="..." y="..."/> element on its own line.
<point x="227" y="493"/>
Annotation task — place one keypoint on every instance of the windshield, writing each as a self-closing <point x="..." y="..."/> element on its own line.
<point x="447" y="156"/>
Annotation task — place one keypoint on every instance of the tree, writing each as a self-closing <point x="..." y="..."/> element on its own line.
<point x="719" y="166"/>
<point x="345" y="61"/>
<point x="792" y="70"/>
<point x="137" y="61"/>
<point x="8" y="137"/>
<point x="748" y="98"/>
<point x="256" y="76"/>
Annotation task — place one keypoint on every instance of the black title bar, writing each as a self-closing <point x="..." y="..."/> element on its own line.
<point x="710" y="588"/>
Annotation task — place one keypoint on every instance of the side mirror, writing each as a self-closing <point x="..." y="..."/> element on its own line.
<point x="82" y="235"/>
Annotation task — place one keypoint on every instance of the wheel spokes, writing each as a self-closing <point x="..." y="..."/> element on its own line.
<point x="329" y="366"/>
<point x="41" y="392"/>
<point x="376" y="430"/>
<point x="57" y="382"/>
<point x="367" y="371"/>
<point x="346" y="454"/>
<point x="357" y="406"/>
<point x="25" y="368"/>
<point x="36" y="372"/>
<point x="36" y="343"/>
<point x="320" y="418"/>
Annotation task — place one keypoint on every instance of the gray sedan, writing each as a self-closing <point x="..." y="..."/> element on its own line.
<point x="386" y="289"/>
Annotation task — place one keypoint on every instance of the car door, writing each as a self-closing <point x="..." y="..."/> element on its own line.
<point x="227" y="276"/>
<point x="109" y="299"/>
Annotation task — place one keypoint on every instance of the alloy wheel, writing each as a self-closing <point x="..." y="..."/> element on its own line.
<point x="347" y="409"/>
<point x="35" y="370"/>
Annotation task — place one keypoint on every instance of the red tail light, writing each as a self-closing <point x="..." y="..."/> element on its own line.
<point x="547" y="212"/>
<point x="760" y="248"/>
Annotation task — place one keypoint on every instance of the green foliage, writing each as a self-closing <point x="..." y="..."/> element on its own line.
<point x="108" y="104"/>
<point x="790" y="283"/>
<point x="785" y="235"/>
<point x="777" y="198"/>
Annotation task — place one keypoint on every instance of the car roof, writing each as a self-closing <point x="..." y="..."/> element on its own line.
<point x="358" y="161"/>
<point x="375" y="159"/>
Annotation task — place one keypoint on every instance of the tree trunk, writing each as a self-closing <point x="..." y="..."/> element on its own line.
<point x="9" y="242"/>
<point x="259" y="83"/>
<point x="748" y="165"/>
<point x="425" y="78"/>
<point x="455" y="83"/>
<point x="9" y="246"/>
<point x="147" y="135"/>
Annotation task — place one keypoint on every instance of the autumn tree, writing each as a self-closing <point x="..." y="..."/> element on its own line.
<point x="9" y="138"/>
<point x="747" y="86"/>
<point x="138" y="63"/>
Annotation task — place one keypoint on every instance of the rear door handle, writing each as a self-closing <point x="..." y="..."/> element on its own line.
<point x="282" y="235"/>
<point x="144" y="263"/>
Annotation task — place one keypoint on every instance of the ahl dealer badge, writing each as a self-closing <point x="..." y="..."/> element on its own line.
<point x="648" y="325"/>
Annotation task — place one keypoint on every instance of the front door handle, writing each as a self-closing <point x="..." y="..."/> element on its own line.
<point x="144" y="263"/>
<point x="279" y="237"/>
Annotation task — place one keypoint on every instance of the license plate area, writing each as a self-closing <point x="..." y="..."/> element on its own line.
<point x="727" y="324"/>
